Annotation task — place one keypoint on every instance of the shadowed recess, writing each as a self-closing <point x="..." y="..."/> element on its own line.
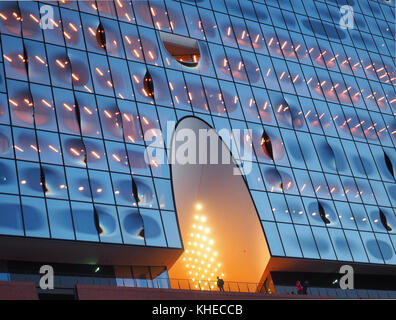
<point x="389" y="164"/>
<point x="185" y="50"/>
<point x="384" y="220"/>
<point x="148" y="85"/>
<point x="133" y="224"/>
<point x="266" y="145"/>
<point x="101" y="36"/>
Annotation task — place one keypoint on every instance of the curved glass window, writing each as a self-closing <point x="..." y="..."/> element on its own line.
<point x="178" y="89"/>
<point x="100" y="71"/>
<point x="8" y="178"/>
<point x="60" y="67"/>
<point x="15" y="64"/>
<point x="37" y="64"/>
<point x="171" y="229"/>
<point x="43" y="108"/>
<point x="72" y="29"/>
<point x="121" y="81"/>
<point x="25" y="145"/>
<point x="11" y="219"/>
<point x="95" y="153"/>
<point x="21" y="103"/>
<point x="109" y="226"/>
<point x="100" y="185"/>
<point x="153" y="230"/>
<point x="110" y="118"/>
<point x="84" y="222"/>
<point x="60" y="219"/>
<point x="34" y="218"/>
<point x="80" y="71"/>
<point x="6" y="144"/>
<point x="133" y="230"/>
<point x="78" y="184"/>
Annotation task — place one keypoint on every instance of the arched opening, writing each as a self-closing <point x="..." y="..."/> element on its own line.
<point x="220" y="229"/>
<point x="184" y="50"/>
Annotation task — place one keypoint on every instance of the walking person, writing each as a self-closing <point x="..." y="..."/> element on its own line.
<point x="299" y="287"/>
<point x="220" y="284"/>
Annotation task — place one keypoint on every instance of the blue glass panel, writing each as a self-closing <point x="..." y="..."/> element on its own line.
<point x="171" y="229"/>
<point x="11" y="216"/>
<point x="35" y="217"/>
<point x="60" y="219"/>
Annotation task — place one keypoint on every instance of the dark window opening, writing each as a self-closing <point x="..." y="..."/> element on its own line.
<point x="384" y="221"/>
<point x="141" y="233"/>
<point x="148" y="85"/>
<point x="84" y="150"/>
<point x="266" y="145"/>
<point x="42" y="180"/>
<point x="101" y="36"/>
<point x="77" y="112"/>
<point x="389" y="164"/>
<point x="25" y="60"/>
<point x="135" y="191"/>
<point x="184" y="50"/>
<point x="97" y="222"/>
<point x="322" y="214"/>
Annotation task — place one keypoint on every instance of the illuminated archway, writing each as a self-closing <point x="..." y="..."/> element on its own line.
<point x="215" y="204"/>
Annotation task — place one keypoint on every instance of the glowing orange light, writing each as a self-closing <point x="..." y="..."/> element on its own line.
<point x="34" y="18"/>
<point x="46" y="103"/>
<point x="73" y="27"/>
<point x="54" y="23"/>
<point x="75" y="77"/>
<point x="19" y="149"/>
<point x="151" y="55"/>
<point x="52" y="148"/>
<point x="99" y="71"/>
<point x="60" y="63"/>
<point x="87" y="110"/>
<point x="95" y="155"/>
<point x="39" y="59"/>
<point x="75" y="152"/>
<point x="67" y="35"/>
<point x="14" y="103"/>
<point x="67" y="107"/>
<point x="7" y="58"/>
<point x="92" y="32"/>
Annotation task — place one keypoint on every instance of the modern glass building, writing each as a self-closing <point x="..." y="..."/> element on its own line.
<point x="84" y="83"/>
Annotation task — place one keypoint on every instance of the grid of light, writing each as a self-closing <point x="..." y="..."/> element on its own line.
<point x="201" y="256"/>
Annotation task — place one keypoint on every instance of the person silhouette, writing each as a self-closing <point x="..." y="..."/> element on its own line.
<point x="220" y="284"/>
<point x="299" y="287"/>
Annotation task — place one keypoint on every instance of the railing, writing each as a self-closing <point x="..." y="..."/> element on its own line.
<point x="62" y="281"/>
<point x="229" y="286"/>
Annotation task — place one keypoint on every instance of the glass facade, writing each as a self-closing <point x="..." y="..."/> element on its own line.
<point x="79" y="94"/>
